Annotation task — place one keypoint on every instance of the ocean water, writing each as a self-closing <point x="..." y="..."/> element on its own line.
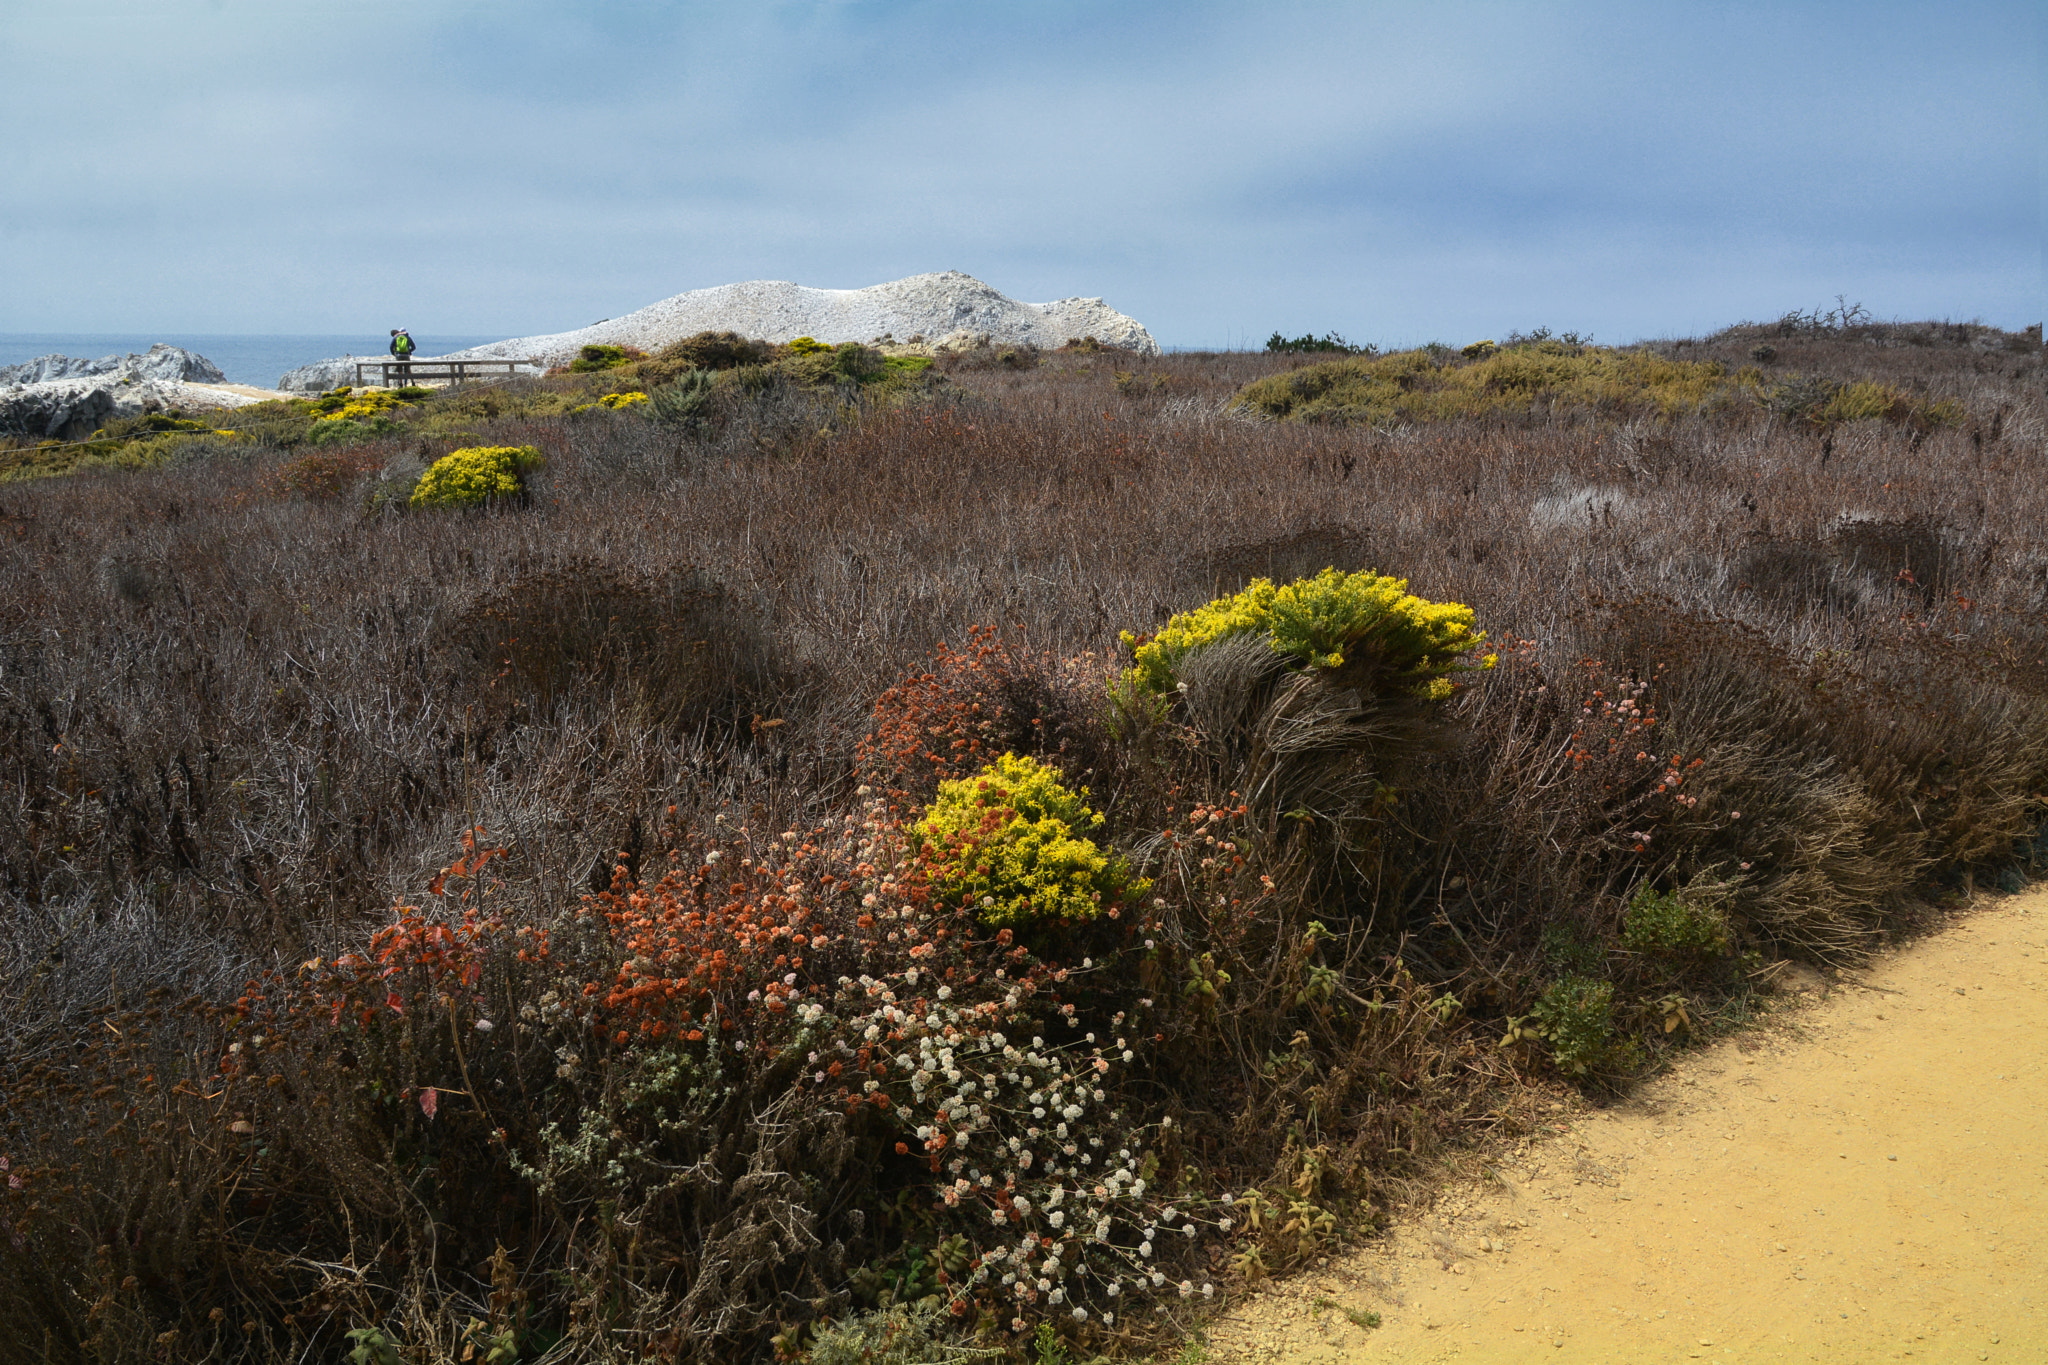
<point x="243" y="358"/>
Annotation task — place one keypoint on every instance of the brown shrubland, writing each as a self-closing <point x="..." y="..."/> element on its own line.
<point x="693" y="690"/>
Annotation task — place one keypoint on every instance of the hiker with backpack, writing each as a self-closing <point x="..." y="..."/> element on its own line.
<point x="402" y="348"/>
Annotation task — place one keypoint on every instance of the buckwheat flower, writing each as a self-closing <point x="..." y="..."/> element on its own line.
<point x="1226" y="1224"/>
<point x="1158" y="1278"/>
<point x="1023" y="1204"/>
<point x="1109" y="1319"/>
<point x="1058" y="1219"/>
<point x="1188" y="1231"/>
<point x="1016" y="1324"/>
<point x="1208" y="1291"/>
<point x="1116" y="1287"/>
<point x="484" y="1026"/>
<point x="1080" y="1315"/>
<point x="1145" y="1249"/>
<point x="1187" y="1289"/>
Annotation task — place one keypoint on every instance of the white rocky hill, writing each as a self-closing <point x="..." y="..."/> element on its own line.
<point x="944" y="309"/>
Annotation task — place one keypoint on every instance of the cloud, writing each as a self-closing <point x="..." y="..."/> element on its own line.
<point x="1391" y="171"/>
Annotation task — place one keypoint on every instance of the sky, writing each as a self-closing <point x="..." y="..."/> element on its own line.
<point x="1396" y="173"/>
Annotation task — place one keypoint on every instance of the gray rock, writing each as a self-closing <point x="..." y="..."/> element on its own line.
<point x="54" y="412"/>
<point x="322" y="375"/>
<point x="164" y="361"/>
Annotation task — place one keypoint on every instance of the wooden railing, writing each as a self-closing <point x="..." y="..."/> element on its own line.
<point x="453" y="371"/>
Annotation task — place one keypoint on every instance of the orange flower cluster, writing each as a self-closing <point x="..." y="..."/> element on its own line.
<point x="936" y="725"/>
<point x="734" y="932"/>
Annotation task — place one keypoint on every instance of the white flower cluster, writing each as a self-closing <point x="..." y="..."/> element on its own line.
<point x="1023" y="1140"/>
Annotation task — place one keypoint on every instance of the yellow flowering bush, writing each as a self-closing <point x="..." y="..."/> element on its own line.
<point x="1329" y="621"/>
<point x="616" y="401"/>
<point x="1013" y="840"/>
<point x="466" y="478"/>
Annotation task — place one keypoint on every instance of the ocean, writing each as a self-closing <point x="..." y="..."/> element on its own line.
<point x="243" y="358"/>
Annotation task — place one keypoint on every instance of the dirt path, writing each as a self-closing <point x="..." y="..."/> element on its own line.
<point x="1863" y="1179"/>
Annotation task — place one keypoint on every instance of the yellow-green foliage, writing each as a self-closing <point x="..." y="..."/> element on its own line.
<point x="465" y="478"/>
<point x="598" y="358"/>
<point x="807" y="346"/>
<point x="1419" y="386"/>
<point x="343" y="405"/>
<point x="616" y="401"/>
<point x="1364" y="619"/>
<point x="1013" y="840"/>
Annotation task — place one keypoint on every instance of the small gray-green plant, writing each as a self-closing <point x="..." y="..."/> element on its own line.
<point x="897" y="1335"/>
<point x="685" y="404"/>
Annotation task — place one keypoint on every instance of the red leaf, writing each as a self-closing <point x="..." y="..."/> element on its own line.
<point x="397" y="1005"/>
<point x="430" y="1100"/>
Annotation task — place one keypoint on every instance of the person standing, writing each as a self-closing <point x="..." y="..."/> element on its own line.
<point x="402" y="349"/>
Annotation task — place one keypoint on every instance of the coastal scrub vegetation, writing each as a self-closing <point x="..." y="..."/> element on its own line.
<point x="860" y="860"/>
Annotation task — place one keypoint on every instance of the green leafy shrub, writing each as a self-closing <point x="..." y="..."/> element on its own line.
<point x="596" y="358"/>
<point x="1577" y="1016"/>
<point x="1683" y="921"/>
<point x="469" y="477"/>
<point x="1012" y="841"/>
<point x="1362" y="625"/>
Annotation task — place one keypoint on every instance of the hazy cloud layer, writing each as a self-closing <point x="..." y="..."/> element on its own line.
<point x="1395" y="172"/>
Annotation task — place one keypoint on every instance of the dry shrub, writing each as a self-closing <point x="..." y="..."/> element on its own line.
<point x="689" y="652"/>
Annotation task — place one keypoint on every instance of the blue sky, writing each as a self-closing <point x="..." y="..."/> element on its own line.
<point x="1395" y="172"/>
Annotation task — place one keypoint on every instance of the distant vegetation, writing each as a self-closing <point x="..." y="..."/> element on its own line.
<point x="841" y="853"/>
<point x="1484" y="379"/>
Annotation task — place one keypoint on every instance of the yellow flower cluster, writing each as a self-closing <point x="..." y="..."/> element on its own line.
<point x="1010" y="841"/>
<point x="343" y="405"/>
<point x="1325" y="622"/>
<point x="616" y="401"/>
<point x="469" y="477"/>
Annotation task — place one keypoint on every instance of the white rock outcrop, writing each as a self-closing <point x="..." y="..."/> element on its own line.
<point x="164" y="361"/>
<point x="72" y="409"/>
<point x="322" y="375"/>
<point x="946" y="308"/>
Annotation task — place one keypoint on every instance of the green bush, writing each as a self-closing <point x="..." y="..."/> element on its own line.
<point x="1012" y="840"/>
<point x="1577" y="1015"/>
<point x="596" y="358"/>
<point x="469" y="477"/>
<point x="1307" y="343"/>
<point x="1361" y="625"/>
<point x="1684" y="921"/>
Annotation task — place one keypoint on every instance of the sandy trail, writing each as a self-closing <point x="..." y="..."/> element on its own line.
<point x="1862" y="1179"/>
